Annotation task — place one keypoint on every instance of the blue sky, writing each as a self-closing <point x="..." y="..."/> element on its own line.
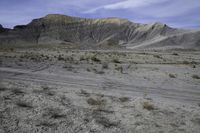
<point x="176" y="13"/>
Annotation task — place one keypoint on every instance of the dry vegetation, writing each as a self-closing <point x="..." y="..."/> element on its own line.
<point x="172" y="75"/>
<point x="195" y="76"/>
<point x="148" y="106"/>
<point x="99" y="91"/>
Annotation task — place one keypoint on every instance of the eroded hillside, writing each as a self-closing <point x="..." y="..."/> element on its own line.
<point x="98" y="34"/>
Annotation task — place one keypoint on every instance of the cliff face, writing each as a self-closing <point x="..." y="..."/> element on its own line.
<point x="95" y="33"/>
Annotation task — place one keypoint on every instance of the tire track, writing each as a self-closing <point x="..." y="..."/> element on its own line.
<point x="99" y="83"/>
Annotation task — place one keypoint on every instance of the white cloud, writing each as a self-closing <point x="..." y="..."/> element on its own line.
<point x="132" y="4"/>
<point x="151" y="8"/>
<point x="127" y="4"/>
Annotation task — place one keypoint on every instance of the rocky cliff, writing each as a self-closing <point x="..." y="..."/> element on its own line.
<point x="99" y="33"/>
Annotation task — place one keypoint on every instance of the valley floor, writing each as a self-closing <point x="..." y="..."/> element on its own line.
<point x="45" y="90"/>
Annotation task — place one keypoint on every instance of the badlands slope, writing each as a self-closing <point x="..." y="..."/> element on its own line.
<point x="82" y="33"/>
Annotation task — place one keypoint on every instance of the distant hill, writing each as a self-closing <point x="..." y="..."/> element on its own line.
<point x="105" y="33"/>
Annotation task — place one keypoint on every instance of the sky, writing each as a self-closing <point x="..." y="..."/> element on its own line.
<point x="175" y="13"/>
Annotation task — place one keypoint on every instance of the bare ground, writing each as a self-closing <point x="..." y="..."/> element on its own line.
<point x="99" y="91"/>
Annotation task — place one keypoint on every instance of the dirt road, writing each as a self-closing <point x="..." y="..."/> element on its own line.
<point x="106" y="84"/>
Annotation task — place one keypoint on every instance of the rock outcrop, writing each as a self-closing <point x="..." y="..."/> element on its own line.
<point x="1" y="28"/>
<point x="99" y="33"/>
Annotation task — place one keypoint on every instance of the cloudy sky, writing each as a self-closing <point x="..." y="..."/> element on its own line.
<point x="176" y="13"/>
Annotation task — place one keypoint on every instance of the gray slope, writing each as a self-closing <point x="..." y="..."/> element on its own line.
<point x="99" y="33"/>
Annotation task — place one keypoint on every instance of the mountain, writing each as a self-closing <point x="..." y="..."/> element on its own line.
<point x="102" y="33"/>
<point x="1" y="29"/>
